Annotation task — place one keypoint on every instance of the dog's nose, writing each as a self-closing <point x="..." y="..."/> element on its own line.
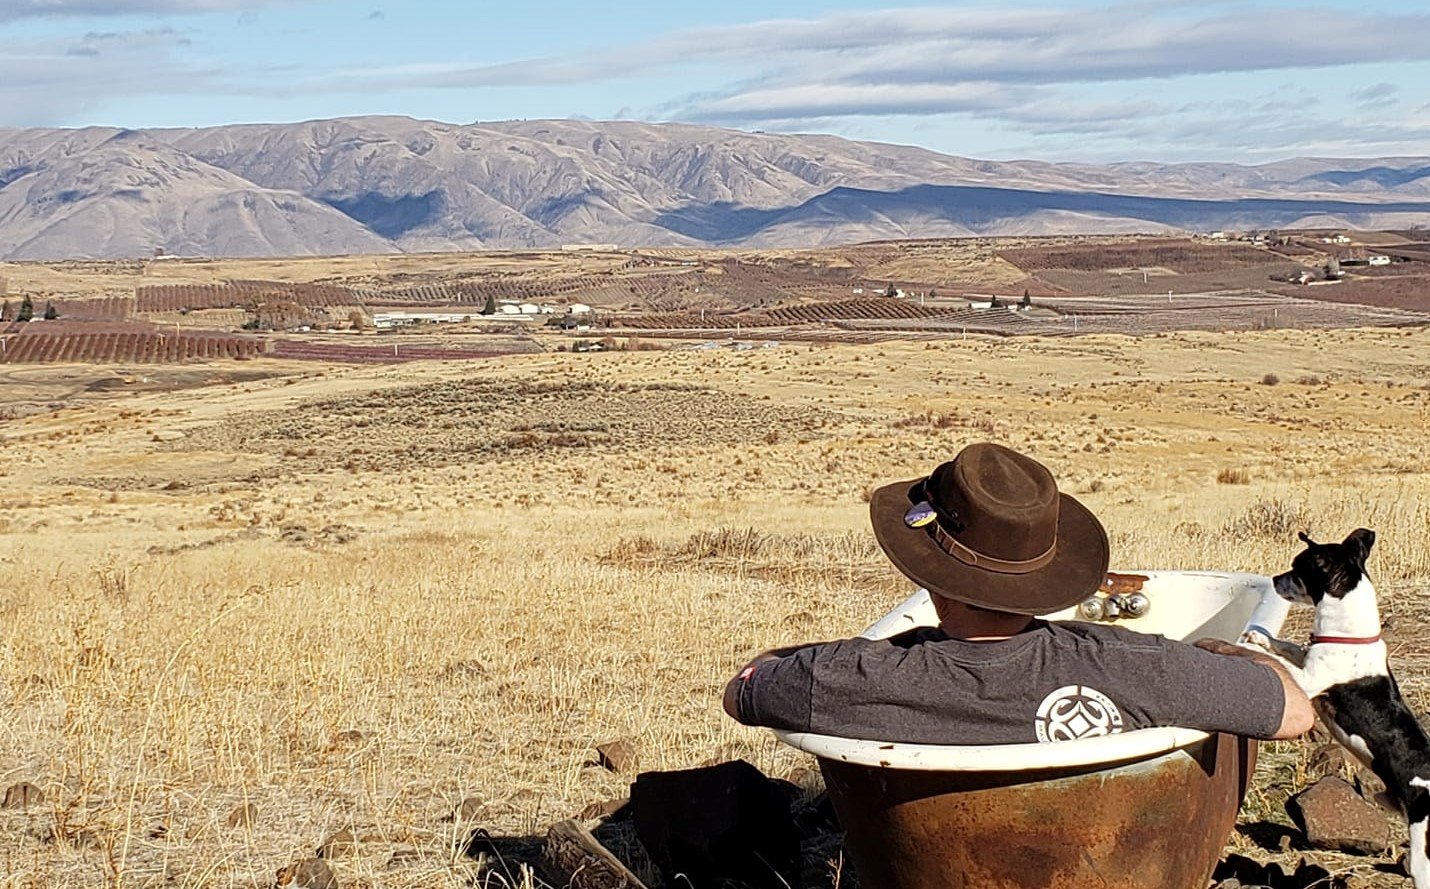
<point x="1287" y="586"/>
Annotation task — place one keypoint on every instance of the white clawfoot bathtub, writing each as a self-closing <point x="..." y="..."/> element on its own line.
<point x="1146" y="808"/>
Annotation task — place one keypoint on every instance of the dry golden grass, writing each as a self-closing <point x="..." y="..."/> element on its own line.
<point x="330" y="608"/>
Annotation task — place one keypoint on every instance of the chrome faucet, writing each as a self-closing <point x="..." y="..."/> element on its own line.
<point x="1114" y="607"/>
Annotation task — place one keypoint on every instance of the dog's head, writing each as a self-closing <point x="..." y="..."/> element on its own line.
<point x="1324" y="570"/>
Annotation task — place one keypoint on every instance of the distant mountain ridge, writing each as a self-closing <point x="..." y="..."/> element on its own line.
<point x="386" y="184"/>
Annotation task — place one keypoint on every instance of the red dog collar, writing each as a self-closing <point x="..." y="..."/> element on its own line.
<point x="1346" y="640"/>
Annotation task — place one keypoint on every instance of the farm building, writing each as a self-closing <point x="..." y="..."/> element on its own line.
<point x="389" y="320"/>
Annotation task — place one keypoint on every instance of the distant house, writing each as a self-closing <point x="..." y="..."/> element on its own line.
<point x="578" y="309"/>
<point x="1377" y="259"/>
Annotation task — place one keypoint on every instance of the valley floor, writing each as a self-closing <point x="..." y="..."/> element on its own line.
<point x="354" y="597"/>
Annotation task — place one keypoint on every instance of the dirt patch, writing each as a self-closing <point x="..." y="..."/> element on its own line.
<point x="1176" y="257"/>
<point x="480" y="420"/>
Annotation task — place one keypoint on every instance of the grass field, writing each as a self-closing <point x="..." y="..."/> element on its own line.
<point x="355" y="597"/>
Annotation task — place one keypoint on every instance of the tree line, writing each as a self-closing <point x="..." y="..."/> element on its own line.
<point x="26" y="311"/>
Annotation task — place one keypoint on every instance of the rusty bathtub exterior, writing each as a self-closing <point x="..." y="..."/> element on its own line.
<point x="1155" y="823"/>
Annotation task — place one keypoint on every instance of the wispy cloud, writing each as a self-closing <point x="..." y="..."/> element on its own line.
<point x="1026" y="68"/>
<point x="38" y="77"/>
<point x="11" y="10"/>
<point x="1122" y="75"/>
<point x="944" y="46"/>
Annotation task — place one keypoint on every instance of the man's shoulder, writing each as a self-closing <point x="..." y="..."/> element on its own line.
<point x="1081" y="632"/>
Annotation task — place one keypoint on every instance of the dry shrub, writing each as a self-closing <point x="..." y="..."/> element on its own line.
<point x="929" y="420"/>
<point x="1270" y="380"/>
<point x="1229" y="476"/>
<point x="1274" y="519"/>
<point x="946" y="420"/>
<point x="851" y="558"/>
<point x="637" y="550"/>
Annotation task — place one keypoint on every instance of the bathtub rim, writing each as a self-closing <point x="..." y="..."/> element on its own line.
<point x="1104" y="751"/>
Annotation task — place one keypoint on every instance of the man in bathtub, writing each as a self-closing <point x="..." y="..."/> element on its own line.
<point x="995" y="543"/>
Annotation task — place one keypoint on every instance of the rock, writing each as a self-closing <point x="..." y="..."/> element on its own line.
<point x="1329" y="759"/>
<point x="348" y="738"/>
<point x="805" y="778"/>
<point x="470" y="809"/>
<point x="310" y="873"/>
<point x="1372" y="788"/>
<point x="617" y="756"/>
<point x="242" y="816"/>
<point x="611" y="810"/>
<point x="344" y="842"/>
<point x="22" y="796"/>
<point x="708" y="825"/>
<point x="1334" y="816"/>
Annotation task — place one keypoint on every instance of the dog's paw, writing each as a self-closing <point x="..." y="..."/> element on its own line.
<point x="1255" y="639"/>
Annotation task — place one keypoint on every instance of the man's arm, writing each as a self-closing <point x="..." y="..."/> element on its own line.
<point x="1297" y="715"/>
<point x="731" y="699"/>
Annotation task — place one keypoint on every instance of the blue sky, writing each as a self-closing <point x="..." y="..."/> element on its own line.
<point x="1183" y="81"/>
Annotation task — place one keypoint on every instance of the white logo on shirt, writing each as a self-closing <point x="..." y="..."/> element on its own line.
<point x="1076" y="711"/>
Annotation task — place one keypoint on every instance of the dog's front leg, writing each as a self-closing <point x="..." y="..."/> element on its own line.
<point x="1289" y="652"/>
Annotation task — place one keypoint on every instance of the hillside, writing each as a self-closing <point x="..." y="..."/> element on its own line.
<point x="384" y="184"/>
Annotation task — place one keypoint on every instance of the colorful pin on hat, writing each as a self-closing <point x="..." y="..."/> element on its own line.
<point x="920" y="515"/>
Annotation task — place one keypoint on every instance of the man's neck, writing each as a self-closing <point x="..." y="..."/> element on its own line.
<point x="967" y="633"/>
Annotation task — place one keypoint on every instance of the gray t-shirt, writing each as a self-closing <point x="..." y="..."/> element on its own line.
<point x="1054" y="682"/>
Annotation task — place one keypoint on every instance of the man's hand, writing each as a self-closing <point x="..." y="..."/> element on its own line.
<point x="1297" y="715"/>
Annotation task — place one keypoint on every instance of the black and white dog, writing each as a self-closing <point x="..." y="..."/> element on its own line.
<point x="1345" y="673"/>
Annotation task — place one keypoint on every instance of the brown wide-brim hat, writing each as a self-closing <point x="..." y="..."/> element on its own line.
<point x="990" y="528"/>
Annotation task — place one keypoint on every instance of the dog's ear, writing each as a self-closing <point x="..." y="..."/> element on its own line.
<point x="1305" y="538"/>
<point x="1360" y="541"/>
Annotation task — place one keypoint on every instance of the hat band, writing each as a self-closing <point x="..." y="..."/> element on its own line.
<point x="972" y="557"/>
